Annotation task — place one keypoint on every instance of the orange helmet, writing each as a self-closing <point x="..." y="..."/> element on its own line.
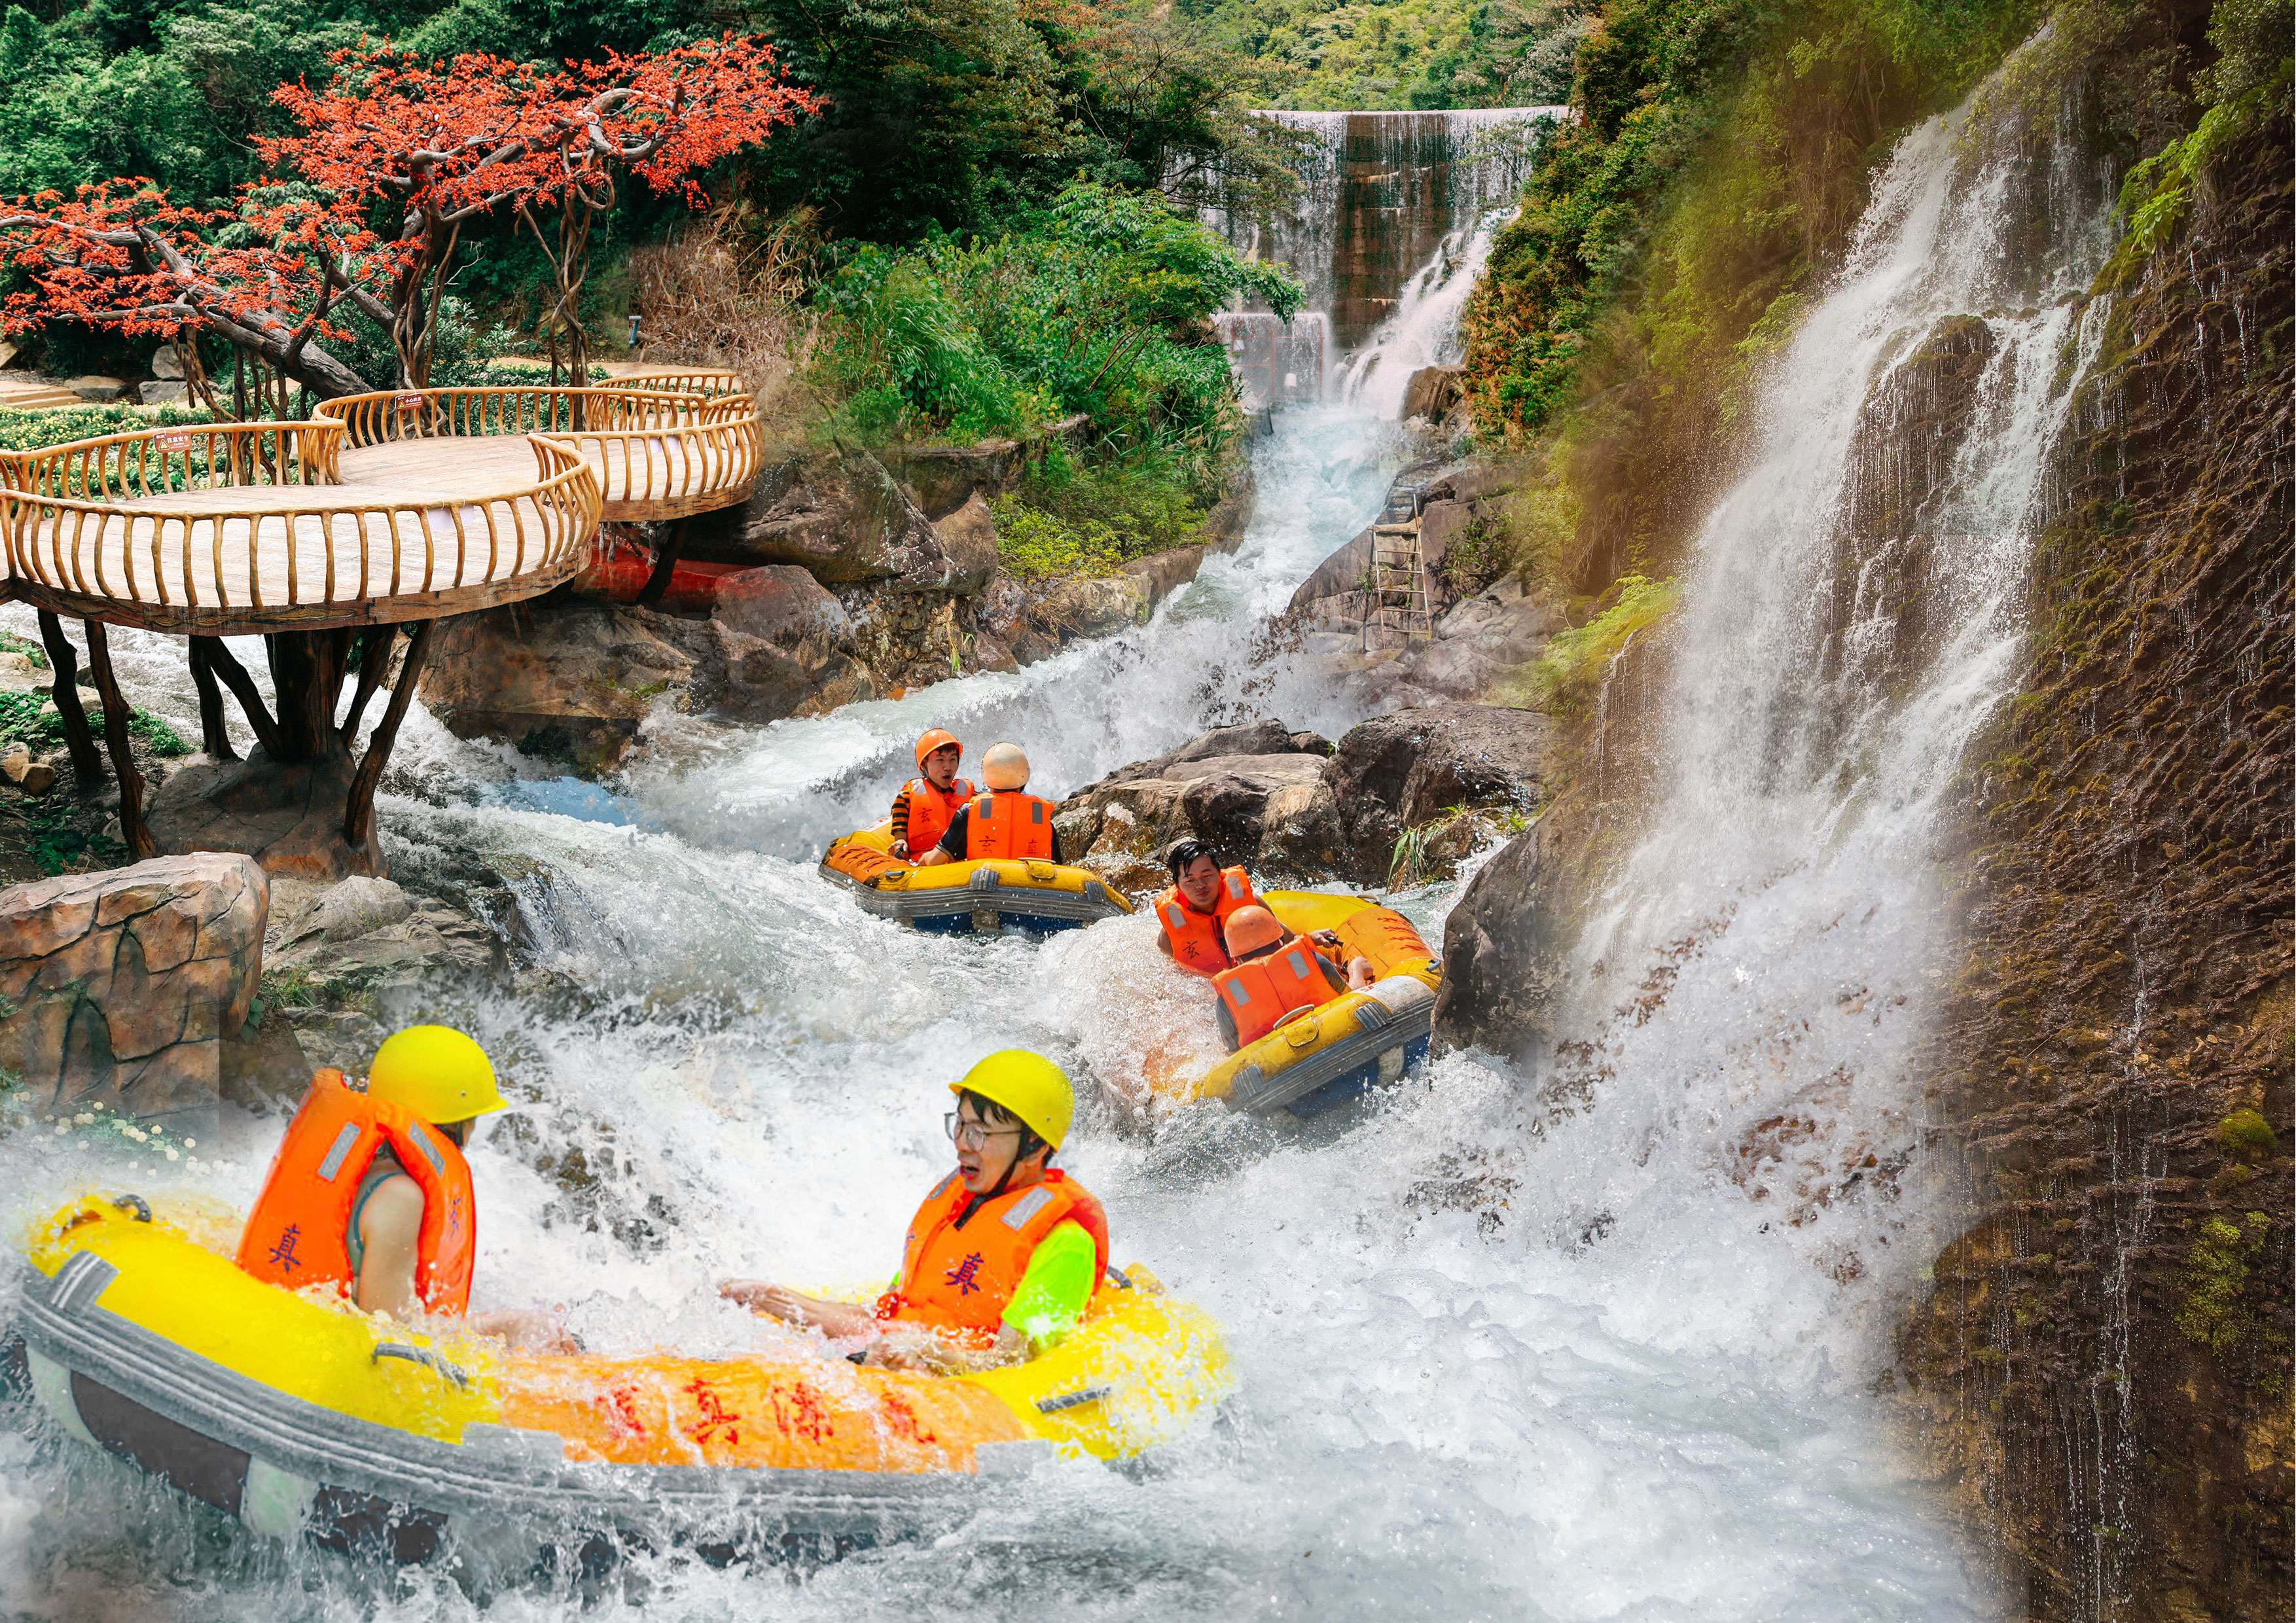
<point x="1249" y="928"/>
<point x="933" y="741"/>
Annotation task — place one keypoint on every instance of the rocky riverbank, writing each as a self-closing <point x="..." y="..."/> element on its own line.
<point x="847" y="576"/>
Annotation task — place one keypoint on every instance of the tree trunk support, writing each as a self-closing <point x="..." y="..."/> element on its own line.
<point x="79" y="738"/>
<point x="306" y="676"/>
<point x="358" y="807"/>
<point x="224" y="663"/>
<point x="132" y="831"/>
<point x="375" y="659"/>
<point x="214" y="735"/>
<point x="665" y="563"/>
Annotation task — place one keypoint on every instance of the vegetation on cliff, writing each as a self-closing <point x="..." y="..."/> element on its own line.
<point x="1406" y="53"/>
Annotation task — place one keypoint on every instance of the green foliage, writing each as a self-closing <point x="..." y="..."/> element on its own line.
<point x="1410" y="53"/>
<point x="1809" y="97"/>
<point x="2212" y="1313"/>
<point x="10" y="643"/>
<point x="2248" y="84"/>
<point x="64" y="836"/>
<point x="28" y="719"/>
<point x="1068" y="521"/>
<point x="2245" y="1134"/>
<point x="33" y="431"/>
<point x="1095" y="311"/>
<point x="1572" y="667"/>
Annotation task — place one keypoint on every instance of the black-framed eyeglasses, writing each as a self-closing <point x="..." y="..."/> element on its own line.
<point x="973" y="1135"/>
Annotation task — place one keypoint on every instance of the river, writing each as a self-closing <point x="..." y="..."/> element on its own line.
<point x="1492" y="1363"/>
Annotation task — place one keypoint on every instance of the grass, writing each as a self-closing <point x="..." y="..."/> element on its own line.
<point x="1574" y="664"/>
<point x="27" y="719"/>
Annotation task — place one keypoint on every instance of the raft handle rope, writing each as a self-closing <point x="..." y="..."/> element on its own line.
<point x="1072" y="1400"/>
<point x="422" y="1355"/>
<point x="135" y="1204"/>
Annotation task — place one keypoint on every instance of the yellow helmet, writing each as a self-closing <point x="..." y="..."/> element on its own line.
<point x="1029" y="1086"/>
<point x="437" y="1072"/>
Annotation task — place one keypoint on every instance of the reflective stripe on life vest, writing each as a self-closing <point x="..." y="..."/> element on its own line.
<point x="1261" y="993"/>
<point x="932" y="811"/>
<point x="1198" y="939"/>
<point x="1007" y="824"/>
<point x="962" y="1279"/>
<point x="298" y="1232"/>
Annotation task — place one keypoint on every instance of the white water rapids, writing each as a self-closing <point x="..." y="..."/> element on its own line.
<point x="1506" y="1348"/>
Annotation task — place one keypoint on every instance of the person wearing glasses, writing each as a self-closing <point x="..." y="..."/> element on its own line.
<point x="1002" y="1257"/>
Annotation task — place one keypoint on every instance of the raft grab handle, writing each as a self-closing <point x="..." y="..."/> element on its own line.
<point x="422" y="1355"/>
<point x="1073" y="1400"/>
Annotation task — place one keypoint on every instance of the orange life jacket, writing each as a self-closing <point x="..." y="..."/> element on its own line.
<point x="1198" y="939"/>
<point x="961" y="1279"/>
<point x="932" y="811"/>
<point x="1261" y="992"/>
<point x="1008" y="824"/>
<point x="298" y="1230"/>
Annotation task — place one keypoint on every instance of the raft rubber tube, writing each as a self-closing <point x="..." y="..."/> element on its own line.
<point x="1321" y="1059"/>
<point x="981" y="896"/>
<point x="313" y="1423"/>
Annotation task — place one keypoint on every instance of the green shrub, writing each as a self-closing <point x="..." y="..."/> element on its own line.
<point x="1098" y="309"/>
<point x="26" y="718"/>
<point x="1572" y="667"/>
<point x="36" y="430"/>
<point x="10" y="643"/>
<point x="2245" y="1134"/>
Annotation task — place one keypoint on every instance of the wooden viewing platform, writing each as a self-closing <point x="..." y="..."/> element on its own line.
<point x="666" y="454"/>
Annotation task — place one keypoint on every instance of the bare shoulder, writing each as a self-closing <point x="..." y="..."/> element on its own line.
<point x="395" y="1201"/>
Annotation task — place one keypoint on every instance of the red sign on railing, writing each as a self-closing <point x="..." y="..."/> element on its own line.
<point x="173" y="440"/>
<point x="409" y="402"/>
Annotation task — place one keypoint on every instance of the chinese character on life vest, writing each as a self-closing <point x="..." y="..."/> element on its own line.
<point x="282" y="1255"/>
<point x="965" y="1275"/>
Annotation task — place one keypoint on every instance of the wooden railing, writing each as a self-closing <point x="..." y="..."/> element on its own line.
<point x="656" y="454"/>
<point x="148" y="463"/>
<point x="217" y="558"/>
<point x="431" y="413"/>
<point x="712" y="381"/>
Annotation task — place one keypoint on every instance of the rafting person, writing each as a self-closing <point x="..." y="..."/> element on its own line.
<point x="1001" y="1259"/>
<point x="1193" y="915"/>
<point x="1275" y="974"/>
<point x="926" y="803"/>
<point x="369" y="1191"/>
<point x="1003" y="822"/>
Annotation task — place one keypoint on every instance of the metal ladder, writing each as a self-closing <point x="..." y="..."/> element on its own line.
<point x="1399" y="588"/>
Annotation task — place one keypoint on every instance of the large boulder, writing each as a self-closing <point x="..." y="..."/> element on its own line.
<point x="563" y="678"/>
<point x="288" y="814"/>
<point x="122" y="985"/>
<point x="1471" y="649"/>
<point x="1497" y="984"/>
<point x="781" y="645"/>
<point x="1411" y="767"/>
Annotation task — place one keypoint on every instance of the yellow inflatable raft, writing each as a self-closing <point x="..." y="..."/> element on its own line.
<point x="1323" y="1057"/>
<point x="313" y="1423"/>
<point x="981" y="896"/>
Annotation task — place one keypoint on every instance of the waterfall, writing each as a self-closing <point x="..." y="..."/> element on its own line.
<point x="1393" y="222"/>
<point x="1755" y="981"/>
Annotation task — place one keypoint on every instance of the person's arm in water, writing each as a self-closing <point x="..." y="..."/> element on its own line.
<point x="391" y="1228"/>
<point x="835" y="1320"/>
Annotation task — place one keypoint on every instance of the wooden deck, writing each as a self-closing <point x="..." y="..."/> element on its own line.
<point x="657" y="454"/>
<point x="241" y="528"/>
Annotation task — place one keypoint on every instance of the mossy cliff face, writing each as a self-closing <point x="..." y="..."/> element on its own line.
<point x="2103" y="1362"/>
<point x="2096" y="1367"/>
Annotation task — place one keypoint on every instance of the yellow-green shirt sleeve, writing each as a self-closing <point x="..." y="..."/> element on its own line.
<point x="1062" y="1272"/>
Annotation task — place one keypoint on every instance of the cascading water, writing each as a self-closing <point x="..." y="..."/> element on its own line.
<point x="1392" y="223"/>
<point x="1497" y="1356"/>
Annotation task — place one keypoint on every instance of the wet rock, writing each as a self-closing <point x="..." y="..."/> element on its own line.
<point x="1473" y="647"/>
<point x="287" y="815"/>
<point x="122" y="984"/>
<point x="1161" y="574"/>
<point x="967" y="559"/>
<point x="336" y="1039"/>
<point x="364" y="934"/>
<point x="1496" y="982"/>
<point x="781" y="641"/>
<point x="562" y="678"/>
<point x="1231" y="516"/>
<point x="1416" y="764"/>
<point x="1433" y="391"/>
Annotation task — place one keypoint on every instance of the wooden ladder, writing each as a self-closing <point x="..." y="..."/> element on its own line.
<point x="1399" y="588"/>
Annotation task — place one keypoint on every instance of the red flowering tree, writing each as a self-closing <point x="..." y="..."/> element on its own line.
<point x="436" y="144"/>
<point x="119" y="255"/>
<point x="666" y="116"/>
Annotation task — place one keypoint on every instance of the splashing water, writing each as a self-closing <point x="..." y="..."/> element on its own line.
<point x="1566" y="1363"/>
